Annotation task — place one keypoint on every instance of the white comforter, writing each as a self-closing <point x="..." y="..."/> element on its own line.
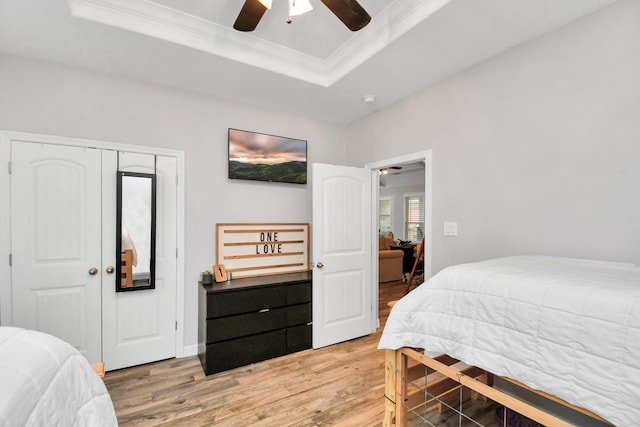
<point x="565" y="326"/>
<point x="46" y="382"/>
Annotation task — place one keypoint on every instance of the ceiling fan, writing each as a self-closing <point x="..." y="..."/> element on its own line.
<point x="384" y="171"/>
<point x="348" y="11"/>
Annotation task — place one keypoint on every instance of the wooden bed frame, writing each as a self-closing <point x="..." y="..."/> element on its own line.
<point x="445" y="375"/>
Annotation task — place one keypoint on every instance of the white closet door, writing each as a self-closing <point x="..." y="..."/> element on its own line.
<point x="55" y="241"/>
<point x="140" y="326"/>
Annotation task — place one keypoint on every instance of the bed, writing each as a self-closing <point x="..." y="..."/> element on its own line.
<point x="569" y="328"/>
<point x="45" y="381"/>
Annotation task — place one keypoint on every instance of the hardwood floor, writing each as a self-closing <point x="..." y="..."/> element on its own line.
<point x="342" y="384"/>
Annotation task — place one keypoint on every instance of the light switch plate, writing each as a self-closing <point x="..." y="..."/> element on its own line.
<point x="450" y="228"/>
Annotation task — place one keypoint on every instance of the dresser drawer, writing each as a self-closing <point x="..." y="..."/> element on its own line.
<point x="298" y="293"/>
<point x="298" y="338"/>
<point x="299" y="314"/>
<point x="245" y="301"/>
<point x="243" y="351"/>
<point x="248" y="320"/>
<point x="241" y="325"/>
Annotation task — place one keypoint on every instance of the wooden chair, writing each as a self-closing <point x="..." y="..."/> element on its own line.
<point x="418" y="266"/>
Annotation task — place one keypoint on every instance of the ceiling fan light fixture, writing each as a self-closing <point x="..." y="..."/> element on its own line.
<point x="266" y="3"/>
<point x="348" y="11"/>
<point x="298" y="7"/>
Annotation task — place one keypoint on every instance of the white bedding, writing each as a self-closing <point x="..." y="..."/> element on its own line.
<point x="565" y="326"/>
<point x="46" y="382"/>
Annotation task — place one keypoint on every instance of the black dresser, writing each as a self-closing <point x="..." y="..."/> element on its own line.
<point x="248" y="320"/>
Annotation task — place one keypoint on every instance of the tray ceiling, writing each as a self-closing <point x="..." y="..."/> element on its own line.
<point x="314" y="67"/>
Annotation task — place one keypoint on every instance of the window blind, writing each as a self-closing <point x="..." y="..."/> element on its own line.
<point x="384" y="215"/>
<point x="414" y="222"/>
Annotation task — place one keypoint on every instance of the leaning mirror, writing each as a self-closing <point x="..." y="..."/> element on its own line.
<point x="136" y="231"/>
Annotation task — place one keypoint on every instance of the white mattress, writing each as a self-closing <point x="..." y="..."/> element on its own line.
<point x="46" y="382"/>
<point x="565" y="326"/>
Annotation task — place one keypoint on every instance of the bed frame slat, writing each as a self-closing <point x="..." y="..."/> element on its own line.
<point x="397" y="396"/>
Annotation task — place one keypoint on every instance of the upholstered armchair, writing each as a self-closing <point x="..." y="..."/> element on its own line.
<point x="389" y="261"/>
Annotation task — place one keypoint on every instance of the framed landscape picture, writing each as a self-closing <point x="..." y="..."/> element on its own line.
<point x="261" y="157"/>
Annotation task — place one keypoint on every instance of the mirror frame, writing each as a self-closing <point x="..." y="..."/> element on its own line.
<point x="152" y="252"/>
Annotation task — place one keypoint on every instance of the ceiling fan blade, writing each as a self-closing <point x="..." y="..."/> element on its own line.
<point x="249" y="16"/>
<point x="349" y="12"/>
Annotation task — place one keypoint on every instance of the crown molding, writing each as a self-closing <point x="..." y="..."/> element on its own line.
<point x="164" y="23"/>
<point x="388" y="26"/>
<point x="155" y="20"/>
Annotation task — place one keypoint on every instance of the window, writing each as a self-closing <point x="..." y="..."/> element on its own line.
<point x="384" y="215"/>
<point x="414" y="221"/>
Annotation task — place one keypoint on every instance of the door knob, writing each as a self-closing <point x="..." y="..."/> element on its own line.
<point x="319" y="265"/>
<point x="110" y="269"/>
<point x="93" y="271"/>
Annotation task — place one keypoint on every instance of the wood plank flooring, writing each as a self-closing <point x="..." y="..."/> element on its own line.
<point x="340" y="385"/>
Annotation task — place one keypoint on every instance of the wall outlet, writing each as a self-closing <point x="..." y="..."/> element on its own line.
<point x="450" y="228"/>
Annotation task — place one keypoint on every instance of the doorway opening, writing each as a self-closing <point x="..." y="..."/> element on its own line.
<point x="401" y="215"/>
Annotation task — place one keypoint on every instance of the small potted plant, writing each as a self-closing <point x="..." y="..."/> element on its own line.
<point x="207" y="277"/>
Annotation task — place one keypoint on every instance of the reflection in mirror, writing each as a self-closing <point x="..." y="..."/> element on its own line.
<point x="136" y="228"/>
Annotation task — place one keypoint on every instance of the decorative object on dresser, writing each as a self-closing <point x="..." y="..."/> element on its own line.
<point x="261" y="249"/>
<point x="252" y="319"/>
<point x="207" y="277"/>
<point x="220" y="273"/>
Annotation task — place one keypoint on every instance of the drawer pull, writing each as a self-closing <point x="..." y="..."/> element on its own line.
<point x="264" y="310"/>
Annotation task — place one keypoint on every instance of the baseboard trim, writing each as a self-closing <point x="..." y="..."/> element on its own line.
<point x="190" y="350"/>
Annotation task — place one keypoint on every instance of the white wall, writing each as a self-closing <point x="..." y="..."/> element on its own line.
<point x="46" y="98"/>
<point x="536" y="151"/>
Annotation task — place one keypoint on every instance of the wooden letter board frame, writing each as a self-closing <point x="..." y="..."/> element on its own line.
<point x="262" y="249"/>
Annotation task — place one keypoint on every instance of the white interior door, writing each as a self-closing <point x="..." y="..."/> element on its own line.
<point x="55" y="242"/>
<point x="140" y="326"/>
<point x="343" y="306"/>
